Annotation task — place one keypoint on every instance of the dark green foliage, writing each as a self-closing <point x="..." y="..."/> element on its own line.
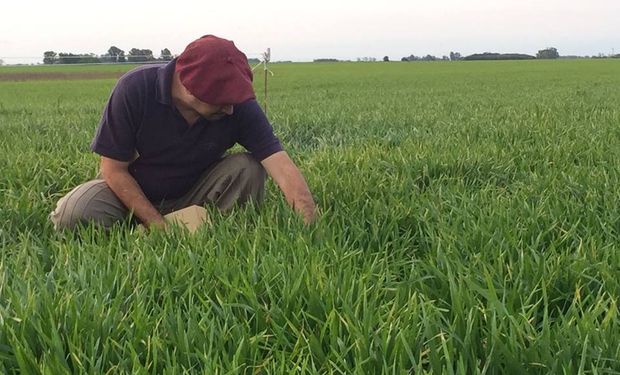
<point x="140" y="55"/>
<point x="499" y="56"/>
<point x="50" y="57"/>
<point x="70" y="58"/>
<point x="548" y="53"/>
<point x="114" y="55"/>
<point x="165" y="55"/>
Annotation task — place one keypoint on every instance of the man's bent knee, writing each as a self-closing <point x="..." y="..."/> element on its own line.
<point x="248" y="165"/>
<point x="92" y="201"/>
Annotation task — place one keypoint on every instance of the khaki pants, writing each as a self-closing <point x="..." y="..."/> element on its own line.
<point x="233" y="180"/>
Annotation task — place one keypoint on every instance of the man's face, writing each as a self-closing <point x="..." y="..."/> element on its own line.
<point x="209" y="111"/>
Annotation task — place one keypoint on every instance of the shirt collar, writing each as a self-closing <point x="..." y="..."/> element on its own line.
<point x="163" y="86"/>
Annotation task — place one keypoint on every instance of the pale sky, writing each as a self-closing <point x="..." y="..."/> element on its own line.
<point x="302" y="31"/>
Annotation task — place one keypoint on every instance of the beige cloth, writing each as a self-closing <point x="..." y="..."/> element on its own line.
<point x="234" y="180"/>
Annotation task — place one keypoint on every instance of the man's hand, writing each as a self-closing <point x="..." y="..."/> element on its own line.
<point x="116" y="175"/>
<point x="292" y="183"/>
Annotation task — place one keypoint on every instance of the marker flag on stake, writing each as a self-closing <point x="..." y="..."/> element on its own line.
<point x="266" y="57"/>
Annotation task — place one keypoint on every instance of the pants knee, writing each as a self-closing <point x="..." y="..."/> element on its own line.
<point x="247" y="165"/>
<point x="90" y="202"/>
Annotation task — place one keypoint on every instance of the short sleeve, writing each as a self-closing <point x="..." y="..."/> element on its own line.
<point x="116" y="135"/>
<point x="255" y="131"/>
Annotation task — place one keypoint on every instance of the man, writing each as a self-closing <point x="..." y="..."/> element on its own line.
<point x="163" y="135"/>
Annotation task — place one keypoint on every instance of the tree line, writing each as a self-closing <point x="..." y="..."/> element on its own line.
<point x="113" y="55"/>
<point x="137" y="55"/>
<point x="547" y="53"/>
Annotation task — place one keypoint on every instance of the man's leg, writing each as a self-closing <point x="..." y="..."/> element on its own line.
<point x="92" y="201"/>
<point x="232" y="181"/>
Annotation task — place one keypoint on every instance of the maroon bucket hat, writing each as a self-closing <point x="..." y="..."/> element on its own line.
<point x="215" y="71"/>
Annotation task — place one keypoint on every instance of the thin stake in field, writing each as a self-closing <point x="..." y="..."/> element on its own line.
<point x="266" y="58"/>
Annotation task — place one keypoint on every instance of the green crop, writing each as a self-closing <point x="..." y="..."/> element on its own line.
<point x="470" y="225"/>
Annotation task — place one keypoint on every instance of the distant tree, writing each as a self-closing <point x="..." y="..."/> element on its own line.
<point x="410" y="58"/>
<point x="134" y="55"/>
<point x="165" y="55"/>
<point x="548" y="53"/>
<point x="571" y="57"/>
<point x="148" y="54"/>
<point x="89" y="58"/>
<point x="140" y="55"/>
<point x="326" y="60"/>
<point x="67" y="58"/>
<point x="386" y="58"/>
<point x="1" y="62"/>
<point x="455" y="56"/>
<point x="117" y="54"/>
<point x="429" y="58"/>
<point x="84" y="58"/>
<point x="445" y="58"/>
<point x="499" y="56"/>
<point x="49" y="57"/>
<point x="253" y="60"/>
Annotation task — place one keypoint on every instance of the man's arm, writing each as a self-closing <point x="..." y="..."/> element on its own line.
<point x="292" y="183"/>
<point x="116" y="175"/>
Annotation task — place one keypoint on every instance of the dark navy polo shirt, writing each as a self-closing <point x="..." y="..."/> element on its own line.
<point x="141" y="120"/>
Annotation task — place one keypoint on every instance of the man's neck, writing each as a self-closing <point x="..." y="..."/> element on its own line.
<point x="190" y="116"/>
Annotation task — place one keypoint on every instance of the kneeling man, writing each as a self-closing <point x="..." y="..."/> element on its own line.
<point x="162" y="139"/>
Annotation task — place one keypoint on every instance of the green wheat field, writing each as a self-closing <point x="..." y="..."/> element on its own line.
<point x="470" y="224"/>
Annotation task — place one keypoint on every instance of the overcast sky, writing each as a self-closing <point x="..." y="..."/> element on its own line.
<point x="302" y="31"/>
